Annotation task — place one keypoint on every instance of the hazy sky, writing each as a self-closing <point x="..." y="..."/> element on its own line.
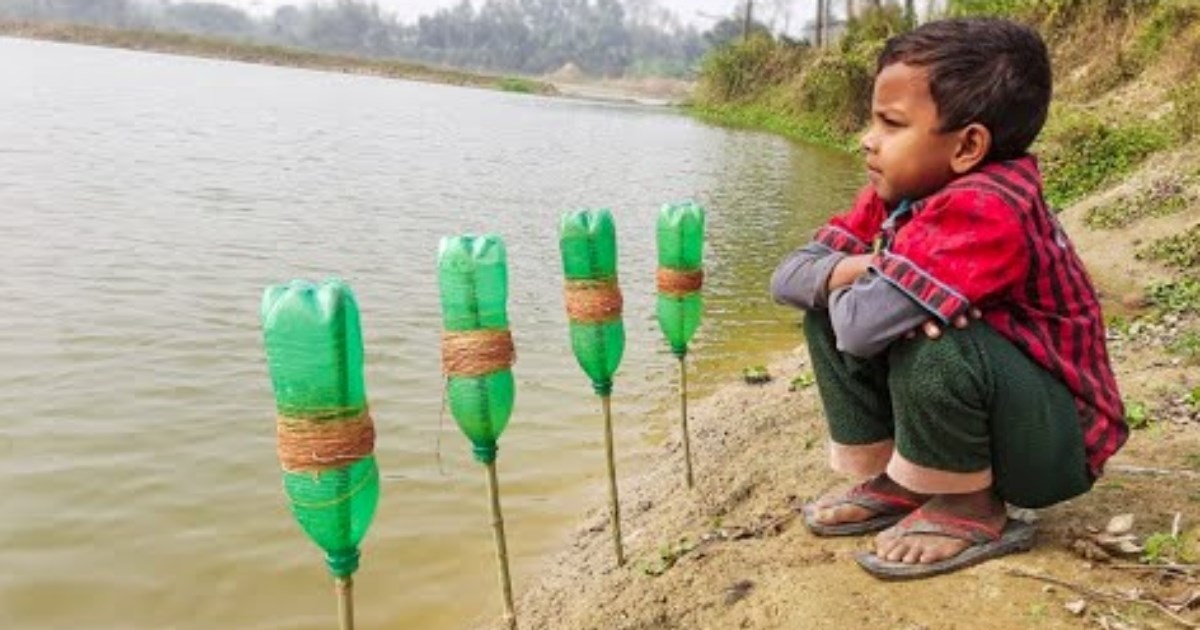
<point x="689" y="10"/>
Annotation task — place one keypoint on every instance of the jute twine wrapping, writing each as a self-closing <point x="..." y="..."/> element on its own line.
<point x="679" y="282"/>
<point x="306" y="445"/>
<point x="593" y="301"/>
<point x="477" y="352"/>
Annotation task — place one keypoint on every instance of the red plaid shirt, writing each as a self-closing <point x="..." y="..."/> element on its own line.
<point x="987" y="240"/>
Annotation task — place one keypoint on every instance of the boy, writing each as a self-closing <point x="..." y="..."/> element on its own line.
<point x="945" y="427"/>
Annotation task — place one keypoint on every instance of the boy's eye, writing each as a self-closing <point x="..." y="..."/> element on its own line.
<point x="889" y="122"/>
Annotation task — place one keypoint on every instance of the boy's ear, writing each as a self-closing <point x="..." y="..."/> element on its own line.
<point x="974" y="144"/>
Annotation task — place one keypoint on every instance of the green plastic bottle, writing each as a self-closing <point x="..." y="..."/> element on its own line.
<point x="473" y="278"/>
<point x="681" y="248"/>
<point x="588" y="240"/>
<point x="314" y="353"/>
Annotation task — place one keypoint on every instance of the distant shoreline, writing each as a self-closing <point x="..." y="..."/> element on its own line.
<point x="196" y="46"/>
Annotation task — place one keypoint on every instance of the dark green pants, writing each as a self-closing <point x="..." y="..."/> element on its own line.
<point x="962" y="403"/>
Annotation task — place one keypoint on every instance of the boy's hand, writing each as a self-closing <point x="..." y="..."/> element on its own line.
<point x="933" y="329"/>
<point x="848" y="270"/>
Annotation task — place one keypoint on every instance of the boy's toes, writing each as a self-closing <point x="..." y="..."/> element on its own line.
<point x="916" y="549"/>
<point x="893" y="550"/>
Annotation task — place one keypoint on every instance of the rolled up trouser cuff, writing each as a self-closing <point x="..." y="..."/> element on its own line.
<point x="861" y="460"/>
<point x="925" y="480"/>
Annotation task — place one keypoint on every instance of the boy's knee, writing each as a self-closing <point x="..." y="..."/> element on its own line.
<point x="817" y="326"/>
<point x="953" y="362"/>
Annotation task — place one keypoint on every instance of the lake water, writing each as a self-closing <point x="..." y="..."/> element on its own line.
<point x="145" y="203"/>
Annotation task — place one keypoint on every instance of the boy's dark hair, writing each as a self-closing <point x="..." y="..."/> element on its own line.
<point x="988" y="71"/>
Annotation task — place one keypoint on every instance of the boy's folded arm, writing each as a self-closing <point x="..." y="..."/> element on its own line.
<point x="801" y="280"/>
<point x="872" y="313"/>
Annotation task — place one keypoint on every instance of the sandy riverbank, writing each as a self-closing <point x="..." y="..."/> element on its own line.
<point x="732" y="554"/>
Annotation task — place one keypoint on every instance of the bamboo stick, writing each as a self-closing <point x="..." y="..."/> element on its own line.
<point x="687" y="440"/>
<point x="510" y="615"/>
<point x="345" y="597"/>
<point x="614" y="502"/>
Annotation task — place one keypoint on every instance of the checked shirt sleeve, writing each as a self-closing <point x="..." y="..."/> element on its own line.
<point x="963" y="247"/>
<point x="802" y="279"/>
<point x="852" y="232"/>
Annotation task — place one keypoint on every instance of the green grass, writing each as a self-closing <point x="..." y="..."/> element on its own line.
<point x="1137" y="415"/>
<point x="1176" y="296"/>
<point x="1164" y="195"/>
<point x="1082" y="152"/>
<point x="1185" y="109"/>
<point x="821" y="96"/>
<point x="518" y="85"/>
<point x="809" y="128"/>
<point x="1181" y="251"/>
<point x="803" y="381"/>
<point x="1187" y="346"/>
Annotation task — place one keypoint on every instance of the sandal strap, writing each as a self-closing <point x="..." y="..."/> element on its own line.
<point x="970" y="530"/>
<point x="881" y="503"/>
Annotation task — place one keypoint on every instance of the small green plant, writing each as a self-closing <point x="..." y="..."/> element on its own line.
<point x="756" y="375"/>
<point x="1137" y="416"/>
<point x="1177" y="296"/>
<point x="1164" y="548"/>
<point x="1181" y="250"/>
<point x="1187" y="346"/>
<point x="803" y="381"/>
<point x="668" y="554"/>
<point x="517" y="85"/>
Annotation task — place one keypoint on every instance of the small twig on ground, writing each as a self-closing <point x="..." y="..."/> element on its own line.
<point x="1091" y="592"/>
<point x="1182" y="570"/>
<point x="1175" y="526"/>
<point x="1126" y="469"/>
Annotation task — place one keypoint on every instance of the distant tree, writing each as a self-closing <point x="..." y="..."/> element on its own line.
<point x="208" y="18"/>
<point x="730" y="29"/>
<point x="602" y="37"/>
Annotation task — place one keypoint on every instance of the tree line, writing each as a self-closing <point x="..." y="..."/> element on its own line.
<point x="599" y="37"/>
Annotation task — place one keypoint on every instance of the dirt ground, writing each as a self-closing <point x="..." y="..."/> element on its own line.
<point x="732" y="553"/>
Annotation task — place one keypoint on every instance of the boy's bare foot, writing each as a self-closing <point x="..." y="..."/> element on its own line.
<point x="830" y="511"/>
<point x="981" y="507"/>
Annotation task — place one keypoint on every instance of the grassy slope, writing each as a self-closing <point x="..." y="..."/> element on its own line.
<point x="1094" y="136"/>
<point x="1127" y="95"/>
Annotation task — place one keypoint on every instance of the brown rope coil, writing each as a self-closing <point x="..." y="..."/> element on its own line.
<point x="593" y="301"/>
<point x="477" y="352"/>
<point x="678" y="281"/>
<point x="307" y="445"/>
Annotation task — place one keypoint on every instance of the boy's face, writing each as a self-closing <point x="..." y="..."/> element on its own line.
<point x="907" y="156"/>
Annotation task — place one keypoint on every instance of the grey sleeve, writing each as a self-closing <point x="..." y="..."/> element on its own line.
<point x="870" y="314"/>
<point x="802" y="279"/>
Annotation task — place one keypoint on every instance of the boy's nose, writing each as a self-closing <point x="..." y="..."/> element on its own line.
<point x="867" y="142"/>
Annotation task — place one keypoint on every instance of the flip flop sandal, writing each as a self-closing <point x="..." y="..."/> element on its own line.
<point x="986" y="543"/>
<point x="888" y="510"/>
